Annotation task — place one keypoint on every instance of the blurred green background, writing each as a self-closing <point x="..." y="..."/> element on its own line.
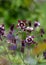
<point x="12" y="10"/>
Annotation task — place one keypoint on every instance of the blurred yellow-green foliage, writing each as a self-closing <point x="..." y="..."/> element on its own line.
<point x="39" y="48"/>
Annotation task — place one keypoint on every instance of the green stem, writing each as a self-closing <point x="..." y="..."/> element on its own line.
<point x="22" y="59"/>
<point x="7" y="52"/>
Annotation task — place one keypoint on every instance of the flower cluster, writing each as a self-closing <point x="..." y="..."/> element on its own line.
<point x="27" y="27"/>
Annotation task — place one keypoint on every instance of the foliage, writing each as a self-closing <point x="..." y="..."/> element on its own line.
<point x="12" y="10"/>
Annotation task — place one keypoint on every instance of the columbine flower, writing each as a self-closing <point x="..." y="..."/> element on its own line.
<point x="29" y="39"/>
<point x="11" y="38"/>
<point x="21" y="24"/>
<point x="29" y="29"/>
<point x="36" y="24"/>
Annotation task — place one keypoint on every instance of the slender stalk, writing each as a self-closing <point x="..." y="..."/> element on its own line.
<point x="7" y="52"/>
<point x="22" y="59"/>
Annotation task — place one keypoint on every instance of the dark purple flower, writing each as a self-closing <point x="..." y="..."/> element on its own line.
<point x="11" y="38"/>
<point x="23" y="46"/>
<point x="36" y="24"/>
<point x="21" y="24"/>
<point x="29" y="39"/>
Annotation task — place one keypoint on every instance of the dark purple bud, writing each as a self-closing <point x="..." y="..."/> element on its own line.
<point x="12" y="27"/>
<point x="42" y="31"/>
<point x="14" y="41"/>
<point x="44" y="54"/>
<point x="23" y="43"/>
<point x="29" y="22"/>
